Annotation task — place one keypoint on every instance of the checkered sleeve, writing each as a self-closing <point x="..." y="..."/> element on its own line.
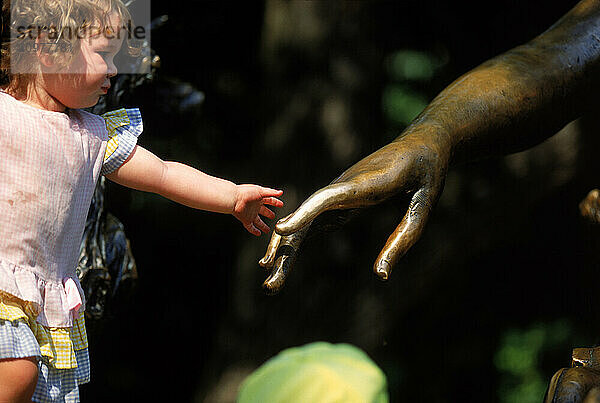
<point x="123" y="126"/>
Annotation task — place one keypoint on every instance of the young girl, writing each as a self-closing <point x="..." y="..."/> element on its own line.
<point x="51" y="155"/>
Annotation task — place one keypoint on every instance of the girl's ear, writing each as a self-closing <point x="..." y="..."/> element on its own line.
<point x="44" y="51"/>
<point x="46" y="59"/>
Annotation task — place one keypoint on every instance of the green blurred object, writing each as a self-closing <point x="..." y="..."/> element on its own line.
<point x="318" y="372"/>
<point x="402" y="104"/>
<point x="410" y="72"/>
<point x="412" y="65"/>
<point x="518" y="360"/>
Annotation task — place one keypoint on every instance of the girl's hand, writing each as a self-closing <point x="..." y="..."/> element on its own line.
<point x="250" y="204"/>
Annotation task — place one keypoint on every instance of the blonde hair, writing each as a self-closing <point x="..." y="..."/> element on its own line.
<point x="64" y="22"/>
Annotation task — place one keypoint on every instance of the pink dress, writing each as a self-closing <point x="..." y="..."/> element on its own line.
<point x="49" y="165"/>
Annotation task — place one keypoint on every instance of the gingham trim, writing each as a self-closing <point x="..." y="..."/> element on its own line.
<point x="17" y="340"/>
<point x="123" y="126"/>
<point x="62" y="385"/>
<point x="59" y="346"/>
<point x="54" y="385"/>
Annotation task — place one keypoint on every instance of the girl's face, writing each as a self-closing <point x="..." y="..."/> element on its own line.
<point x="87" y="78"/>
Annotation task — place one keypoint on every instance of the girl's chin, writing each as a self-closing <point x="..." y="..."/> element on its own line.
<point x="92" y="101"/>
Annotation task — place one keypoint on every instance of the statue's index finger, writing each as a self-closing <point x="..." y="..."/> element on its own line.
<point x="327" y="198"/>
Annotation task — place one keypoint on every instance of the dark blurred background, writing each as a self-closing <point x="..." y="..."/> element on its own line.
<point x="485" y="307"/>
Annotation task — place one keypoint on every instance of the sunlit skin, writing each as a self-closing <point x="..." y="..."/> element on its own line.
<point x="509" y="103"/>
<point x="85" y="79"/>
<point x="80" y="85"/>
<point x="18" y="378"/>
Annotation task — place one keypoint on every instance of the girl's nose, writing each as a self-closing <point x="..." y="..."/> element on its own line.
<point x="112" y="70"/>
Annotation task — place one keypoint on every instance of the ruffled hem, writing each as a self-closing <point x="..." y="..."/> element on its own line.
<point x="62" y="385"/>
<point x="49" y="299"/>
<point x="17" y="340"/>
<point x="57" y="346"/>
<point x="124" y="127"/>
<point x="54" y="385"/>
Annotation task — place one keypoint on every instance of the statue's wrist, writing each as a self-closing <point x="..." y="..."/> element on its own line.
<point x="431" y="135"/>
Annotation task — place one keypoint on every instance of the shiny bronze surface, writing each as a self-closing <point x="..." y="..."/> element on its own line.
<point x="581" y="382"/>
<point x="590" y="206"/>
<point x="508" y="103"/>
<point x="281" y="254"/>
<point x="586" y="357"/>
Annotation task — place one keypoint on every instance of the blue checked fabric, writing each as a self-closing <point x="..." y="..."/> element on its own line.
<point x="62" y="385"/>
<point x="54" y="385"/>
<point x="17" y="340"/>
<point x="123" y="126"/>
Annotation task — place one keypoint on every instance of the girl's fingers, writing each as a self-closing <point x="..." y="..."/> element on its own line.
<point x="258" y="223"/>
<point x="405" y="235"/>
<point x="272" y="201"/>
<point x="265" y="212"/>
<point x="265" y="192"/>
<point x="252" y="229"/>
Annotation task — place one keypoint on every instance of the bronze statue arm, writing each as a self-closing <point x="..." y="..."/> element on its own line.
<point x="522" y="97"/>
<point x="509" y="103"/>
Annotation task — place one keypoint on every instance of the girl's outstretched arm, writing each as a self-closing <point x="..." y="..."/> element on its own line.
<point x="193" y="188"/>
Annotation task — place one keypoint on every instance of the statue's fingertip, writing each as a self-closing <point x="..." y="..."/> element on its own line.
<point x="264" y="262"/>
<point x="282" y="227"/>
<point x="272" y="286"/>
<point x="383" y="269"/>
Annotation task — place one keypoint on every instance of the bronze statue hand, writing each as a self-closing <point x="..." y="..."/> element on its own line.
<point x="414" y="165"/>
<point x="507" y="104"/>
<point x="280" y="256"/>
